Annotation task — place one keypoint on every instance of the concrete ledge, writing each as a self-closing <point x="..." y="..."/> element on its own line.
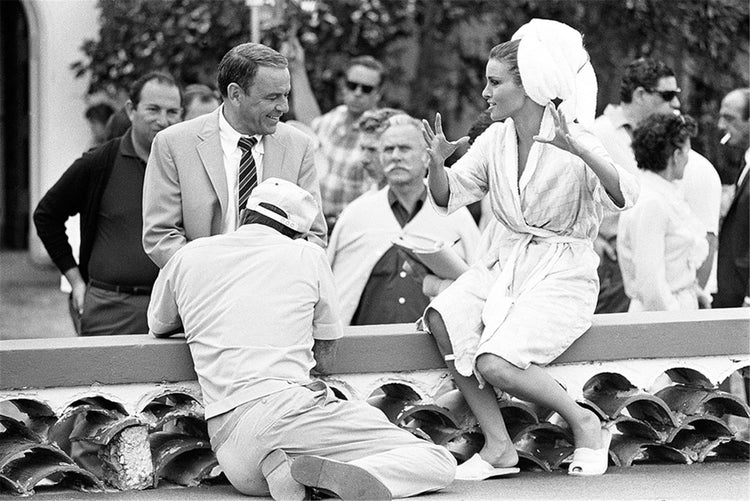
<point x="81" y="361"/>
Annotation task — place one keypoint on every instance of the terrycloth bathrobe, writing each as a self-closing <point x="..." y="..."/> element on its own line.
<point x="533" y="289"/>
<point x="366" y="230"/>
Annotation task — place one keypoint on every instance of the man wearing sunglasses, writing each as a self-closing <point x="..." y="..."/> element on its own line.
<point x="342" y="178"/>
<point x="649" y="86"/>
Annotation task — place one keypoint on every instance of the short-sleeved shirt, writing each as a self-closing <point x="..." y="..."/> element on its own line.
<point x="252" y="302"/>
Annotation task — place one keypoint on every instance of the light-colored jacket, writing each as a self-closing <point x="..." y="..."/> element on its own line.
<point x="185" y="188"/>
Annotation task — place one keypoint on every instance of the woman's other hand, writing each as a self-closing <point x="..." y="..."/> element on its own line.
<point x="562" y="137"/>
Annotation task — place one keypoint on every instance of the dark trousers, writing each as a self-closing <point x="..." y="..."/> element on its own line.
<point x="612" y="298"/>
<point x="106" y="313"/>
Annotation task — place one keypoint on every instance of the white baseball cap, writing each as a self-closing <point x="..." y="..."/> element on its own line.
<point x="299" y="204"/>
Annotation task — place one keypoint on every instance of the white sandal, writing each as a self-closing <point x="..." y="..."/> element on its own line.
<point x="476" y="468"/>
<point x="591" y="462"/>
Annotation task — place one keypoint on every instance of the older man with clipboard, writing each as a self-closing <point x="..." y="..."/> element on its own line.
<point x="378" y="281"/>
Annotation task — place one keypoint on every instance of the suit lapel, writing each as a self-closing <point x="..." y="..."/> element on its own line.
<point x="740" y="189"/>
<point x="273" y="156"/>
<point x="212" y="156"/>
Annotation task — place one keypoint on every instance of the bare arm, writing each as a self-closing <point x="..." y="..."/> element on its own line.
<point x="563" y="139"/>
<point x="304" y="104"/>
<point x="324" y="351"/>
<point x="163" y="314"/>
<point x="439" y="149"/>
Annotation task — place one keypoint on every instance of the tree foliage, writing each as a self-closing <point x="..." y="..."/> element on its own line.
<point x="435" y="50"/>
<point x="184" y="37"/>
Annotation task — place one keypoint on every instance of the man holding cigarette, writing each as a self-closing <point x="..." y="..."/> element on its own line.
<point x="734" y="243"/>
<point x="649" y="86"/>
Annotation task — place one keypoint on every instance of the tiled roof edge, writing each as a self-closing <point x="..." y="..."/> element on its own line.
<point x="44" y="363"/>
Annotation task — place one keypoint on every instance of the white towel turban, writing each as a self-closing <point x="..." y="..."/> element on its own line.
<point x="554" y="64"/>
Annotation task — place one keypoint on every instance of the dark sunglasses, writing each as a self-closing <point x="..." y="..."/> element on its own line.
<point x="667" y="95"/>
<point x="352" y="86"/>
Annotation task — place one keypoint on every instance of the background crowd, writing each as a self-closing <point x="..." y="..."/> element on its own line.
<point x="371" y="163"/>
<point x="169" y="187"/>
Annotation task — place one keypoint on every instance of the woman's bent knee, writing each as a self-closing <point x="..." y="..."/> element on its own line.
<point x="494" y="369"/>
<point x="435" y="326"/>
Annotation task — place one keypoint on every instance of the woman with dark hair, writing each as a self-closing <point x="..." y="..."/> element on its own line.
<point x="661" y="242"/>
<point x="534" y="287"/>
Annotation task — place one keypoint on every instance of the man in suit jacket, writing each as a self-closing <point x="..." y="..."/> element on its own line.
<point x="191" y="185"/>
<point x="734" y="242"/>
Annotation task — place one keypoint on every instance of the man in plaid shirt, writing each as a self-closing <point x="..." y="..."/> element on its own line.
<point x="341" y="177"/>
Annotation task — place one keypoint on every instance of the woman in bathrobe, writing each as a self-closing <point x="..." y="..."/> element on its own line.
<point x="534" y="290"/>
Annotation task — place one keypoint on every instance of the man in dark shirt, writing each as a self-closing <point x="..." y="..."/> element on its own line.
<point x="111" y="283"/>
<point x="378" y="283"/>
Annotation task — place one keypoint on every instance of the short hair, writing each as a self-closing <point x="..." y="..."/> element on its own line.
<point x="643" y="72"/>
<point x="160" y="77"/>
<point x="658" y="136"/>
<point x="507" y="52"/>
<point x="250" y="216"/>
<point x="198" y="92"/>
<point x="367" y="62"/>
<point x="99" y="112"/>
<point x="374" y="121"/>
<point x="402" y="119"/>
<point x="240" y="65"/>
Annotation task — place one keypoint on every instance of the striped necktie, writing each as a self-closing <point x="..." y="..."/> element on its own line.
<point x="248" y="176"/>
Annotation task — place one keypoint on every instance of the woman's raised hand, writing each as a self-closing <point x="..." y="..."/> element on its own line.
<point x="438" y="146"/>
<point x="562" y="138"/>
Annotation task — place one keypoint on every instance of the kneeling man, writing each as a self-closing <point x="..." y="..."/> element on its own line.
<point x="259" y="311"/>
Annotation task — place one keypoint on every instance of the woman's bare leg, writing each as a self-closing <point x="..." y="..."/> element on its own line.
<point x="498" y="448"/>
<point x="535" y="385"/>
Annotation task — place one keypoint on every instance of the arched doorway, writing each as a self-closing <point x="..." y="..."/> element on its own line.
<point x="14" y="126"/>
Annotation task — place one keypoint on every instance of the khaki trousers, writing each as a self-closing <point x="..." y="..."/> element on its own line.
<point x="310" y="419"/>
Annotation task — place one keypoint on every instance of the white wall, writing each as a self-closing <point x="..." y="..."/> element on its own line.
<point x="59" y="132"/>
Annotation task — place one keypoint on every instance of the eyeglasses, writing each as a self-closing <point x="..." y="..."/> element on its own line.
<point x="667" y="95"/>
<point x="352" y="86"/>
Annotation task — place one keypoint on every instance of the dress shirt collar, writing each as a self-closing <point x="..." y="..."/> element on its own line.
<point x="127" y="149"/>
<point x="401" y="213"/>
<point x="230" y="137"/>
<point x="392" y="197"/>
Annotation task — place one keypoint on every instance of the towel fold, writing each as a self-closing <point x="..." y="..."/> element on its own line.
<point x="555" y="65"/>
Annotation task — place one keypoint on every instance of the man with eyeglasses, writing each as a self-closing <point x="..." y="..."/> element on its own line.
<point x="342" y="178"/>
<point x="649" y="86"/>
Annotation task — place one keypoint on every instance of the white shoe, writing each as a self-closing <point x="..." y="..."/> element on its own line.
<point x="476" y="468"/>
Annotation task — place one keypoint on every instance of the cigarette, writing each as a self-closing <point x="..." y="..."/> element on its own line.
<point x="725" y="138"/>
